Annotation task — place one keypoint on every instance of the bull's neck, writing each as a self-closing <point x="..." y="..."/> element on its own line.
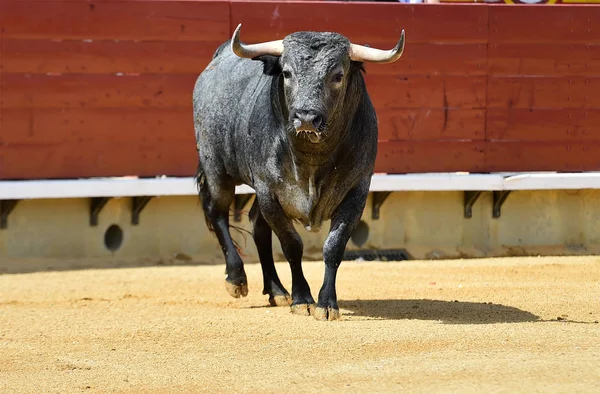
<point x="336" y="139"/>
<point x="313" y="164"/>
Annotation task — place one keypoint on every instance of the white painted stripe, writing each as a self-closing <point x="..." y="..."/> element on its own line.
<point x="552" y="181"/>
<point x="102" y="187"/>
<point x="436" y="182"/>
<point x="131" y="186"/>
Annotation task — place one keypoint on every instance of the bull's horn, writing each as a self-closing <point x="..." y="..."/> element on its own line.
<point x="251" y="51"/>
<point x="361" y="53"/>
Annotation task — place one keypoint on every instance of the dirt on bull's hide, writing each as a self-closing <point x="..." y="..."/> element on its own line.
<point x="509" y="324"/>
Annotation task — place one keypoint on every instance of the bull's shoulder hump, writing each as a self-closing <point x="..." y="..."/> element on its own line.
<point x="223" y="47"/>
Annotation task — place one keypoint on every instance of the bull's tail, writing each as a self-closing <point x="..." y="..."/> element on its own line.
<point x="202" y="187"/>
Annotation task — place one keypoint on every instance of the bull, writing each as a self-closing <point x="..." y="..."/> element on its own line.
<point x="292" y="119"/>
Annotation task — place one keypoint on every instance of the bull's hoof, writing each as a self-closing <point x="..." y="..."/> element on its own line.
<point x="236" y="291"/>
<point x="325" y="314"/>
<point x="278" y="295"/>
<point x="280" y="300"/>
<point x="303" y="309"/>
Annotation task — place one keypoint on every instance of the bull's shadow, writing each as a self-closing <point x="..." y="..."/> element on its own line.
<point x="448" y="312"/>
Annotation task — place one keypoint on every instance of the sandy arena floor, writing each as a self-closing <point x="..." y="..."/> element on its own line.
<point x="491" y="325"/>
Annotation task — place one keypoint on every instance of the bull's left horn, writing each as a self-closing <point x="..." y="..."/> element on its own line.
<point x="361" y="53"/>
<point x="251" y="51"/>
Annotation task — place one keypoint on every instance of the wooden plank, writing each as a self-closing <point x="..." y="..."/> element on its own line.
<point x="544" y="59"/>
<point x="424" y="91"/>
<point x="543" y="92"/>
<point x="46" y="56"/>
<point x="85" y="91"/>
<point x="542" y="156"/>
<point x="74" y="91"/>
<point x="431" y="124"/>
<point x="93" y="159"/>
<point x="539" y="24"/>
<point x="547" y="125"/>
<point x="106" y="57"/>
<point x="117" y="20"/>
<point x="378" y="22"/>
<point x="3" y="5"/>
<point x="50" y="127"/>
<point x="399" y="157"/>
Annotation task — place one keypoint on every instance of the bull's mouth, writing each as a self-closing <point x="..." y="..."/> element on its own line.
<point x="312" y="135"/>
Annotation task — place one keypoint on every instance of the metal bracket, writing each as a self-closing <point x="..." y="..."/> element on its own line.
<point x="378" y="200"/>
<point x="137" y="206"/>
<point x="499" y="198"/>
<point x="96" y="205"/>
<point x="470" y="199"/>
<point x="6" y="207"/>
<point x="239" y="202"/>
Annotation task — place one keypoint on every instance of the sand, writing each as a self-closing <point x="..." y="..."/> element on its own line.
<point x="488" y="325"/>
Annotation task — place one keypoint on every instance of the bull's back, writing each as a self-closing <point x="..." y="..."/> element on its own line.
<point x="224" y="98"/>
<point x="222" y="85"/>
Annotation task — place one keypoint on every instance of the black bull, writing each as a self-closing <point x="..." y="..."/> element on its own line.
<point x="292" y="119"/>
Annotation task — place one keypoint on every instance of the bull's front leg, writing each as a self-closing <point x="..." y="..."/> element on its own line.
<point x="292" y="246"/>
<point x="344" y="220"/>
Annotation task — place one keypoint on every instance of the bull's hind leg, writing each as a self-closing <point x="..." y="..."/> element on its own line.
<point x="217" y="193"/>
<point x="262" y="234"/>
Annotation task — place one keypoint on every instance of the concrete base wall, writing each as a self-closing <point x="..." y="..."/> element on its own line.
<point x="428" y="225"/>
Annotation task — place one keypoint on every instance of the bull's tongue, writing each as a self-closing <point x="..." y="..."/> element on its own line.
<point x="314" y="137"/>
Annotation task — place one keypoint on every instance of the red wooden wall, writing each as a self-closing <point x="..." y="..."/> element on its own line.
<point x="103" y="88"/>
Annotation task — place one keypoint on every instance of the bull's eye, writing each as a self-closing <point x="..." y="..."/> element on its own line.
<point x="287" y="74"/>
<point x="337" y="78"/>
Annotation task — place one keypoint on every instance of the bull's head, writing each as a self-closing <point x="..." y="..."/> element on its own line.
<point x="316" y="69"/>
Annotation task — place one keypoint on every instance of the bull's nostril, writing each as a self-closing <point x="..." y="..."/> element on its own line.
<point x="317" y="121"/>
<point x="307" y="119"/>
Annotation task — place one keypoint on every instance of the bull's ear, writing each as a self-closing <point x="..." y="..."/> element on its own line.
<point x="271" y="64"/>
<point x="357" y="67"/>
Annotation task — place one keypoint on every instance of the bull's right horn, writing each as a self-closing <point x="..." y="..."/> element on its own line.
<point x="251" y="51"/>
<point x="361" y="53"/>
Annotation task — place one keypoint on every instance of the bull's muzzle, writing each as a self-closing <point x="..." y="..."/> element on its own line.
<point x="307" y="125"/>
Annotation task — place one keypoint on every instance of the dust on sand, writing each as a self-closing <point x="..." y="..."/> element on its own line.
<point x="509" y="324"/>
